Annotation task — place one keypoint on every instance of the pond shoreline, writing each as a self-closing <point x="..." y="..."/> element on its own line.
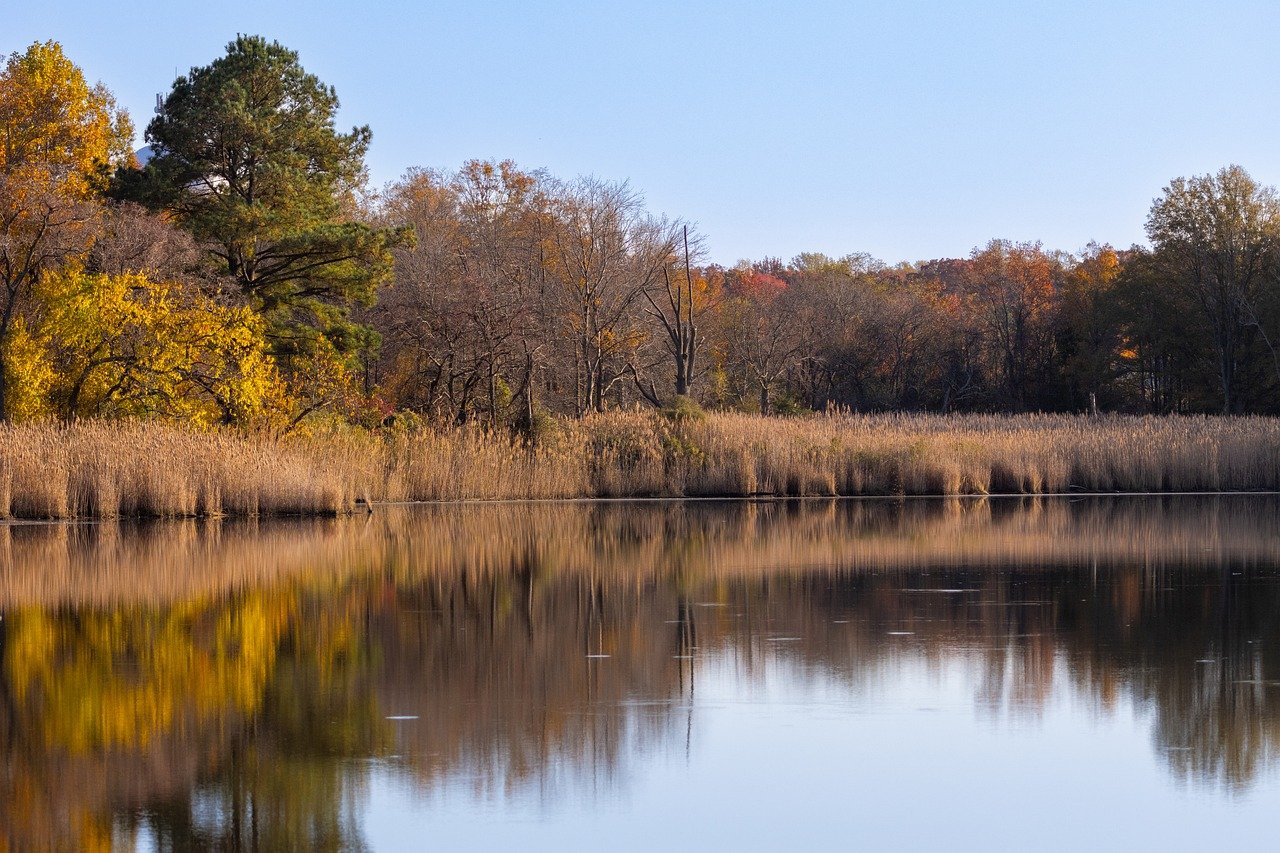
<point x="150" y="470"/>
<point x="365" y="509"/>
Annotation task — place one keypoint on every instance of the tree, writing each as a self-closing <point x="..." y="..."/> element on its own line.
<point x="466" y="324"/>
<point x="1162" y="346"/>
<point x="758" y="328"/>
<point x="125" y="345"/>
<point x="54" y="126"/>
<point x="131" y="239"/>
<point x="605" y="256"/>
<point x="1215" y="237"/>
<point x="1012" y="287"/>
<point x="1088" y="334"/>
<point x="58" y="136"/>
<point x="505" y="218"/>
<point x="678" y="304"/>
<point x="248" y="158"/>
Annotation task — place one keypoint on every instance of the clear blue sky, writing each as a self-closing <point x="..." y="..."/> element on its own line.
<point x="905" y="129"/>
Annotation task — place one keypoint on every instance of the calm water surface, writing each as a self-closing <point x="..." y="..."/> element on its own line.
<point x="972" y="674"/>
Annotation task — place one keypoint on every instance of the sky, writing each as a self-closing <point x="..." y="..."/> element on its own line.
<point x="906" y="129"/>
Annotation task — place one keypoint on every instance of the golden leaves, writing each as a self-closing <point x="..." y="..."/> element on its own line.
<point x="55" y="127"/>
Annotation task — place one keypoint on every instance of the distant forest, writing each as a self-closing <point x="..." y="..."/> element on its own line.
<point x="247" y="274"/>
<point x="519" y="281"/>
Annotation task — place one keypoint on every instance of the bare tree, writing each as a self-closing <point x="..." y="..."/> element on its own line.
<point x="606" y="256"/>
<point x="679" y="303"/>
<point x="134" y="240"/>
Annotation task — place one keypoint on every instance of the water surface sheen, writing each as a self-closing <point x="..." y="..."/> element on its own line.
<point x="1061" y="674"/>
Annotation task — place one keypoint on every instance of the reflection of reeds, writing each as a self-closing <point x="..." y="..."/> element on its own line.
<point x="104" y="470"/>
<point x="168" y="561"/>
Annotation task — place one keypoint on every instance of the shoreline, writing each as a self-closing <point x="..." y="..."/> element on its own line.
<point x="672" y="499"/>
<point x="142" y="470"/>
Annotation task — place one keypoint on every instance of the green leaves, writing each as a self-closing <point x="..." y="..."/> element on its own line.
<point x="248" y="158"/>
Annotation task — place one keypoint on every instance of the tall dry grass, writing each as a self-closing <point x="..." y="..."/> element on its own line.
<point x="732" y="455"/>
<point x="105" y="470"/>
<point x="109" y="470"/>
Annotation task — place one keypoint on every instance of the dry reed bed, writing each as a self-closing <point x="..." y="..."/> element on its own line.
<point x="106" y="470"/>
<point x="732" y="455"/>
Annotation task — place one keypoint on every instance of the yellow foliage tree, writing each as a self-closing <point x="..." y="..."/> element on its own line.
<point x="123" y="345"/>
<point x="58" y="138"/>
<point x="55" y="126"/>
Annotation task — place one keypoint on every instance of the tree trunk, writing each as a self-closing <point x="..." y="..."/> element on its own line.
<point x="493" y="394"/>
<point x="528" y="390"/>
<point x="6" y="324"/>
<point x="1226" y="373"/>
<point x="4" y="384"/>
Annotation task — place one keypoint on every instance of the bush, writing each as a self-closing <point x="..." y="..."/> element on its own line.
<point x="683" y="410"/>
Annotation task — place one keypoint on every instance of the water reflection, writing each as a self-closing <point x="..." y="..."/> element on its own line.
<point x="231" y="684"/>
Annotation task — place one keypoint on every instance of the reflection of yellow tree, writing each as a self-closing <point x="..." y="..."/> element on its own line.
<point x="127" y="705"/>
<point x="120" y="679"/>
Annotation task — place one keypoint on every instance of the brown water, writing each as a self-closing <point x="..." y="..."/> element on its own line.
<point x="1100" y="673"/>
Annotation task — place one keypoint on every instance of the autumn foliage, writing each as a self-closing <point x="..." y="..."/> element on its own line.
<point x="247" y="276"/>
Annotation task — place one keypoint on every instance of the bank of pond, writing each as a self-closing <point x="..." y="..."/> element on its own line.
<point x="108" y="469"/>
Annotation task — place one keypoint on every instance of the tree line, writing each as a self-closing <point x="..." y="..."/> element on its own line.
<point x="246" y="273"/>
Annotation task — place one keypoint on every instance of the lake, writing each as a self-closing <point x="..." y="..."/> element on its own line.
<point x="1055" y="673"/>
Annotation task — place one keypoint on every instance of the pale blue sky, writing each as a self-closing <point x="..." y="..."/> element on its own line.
<point x="905" y="129"/>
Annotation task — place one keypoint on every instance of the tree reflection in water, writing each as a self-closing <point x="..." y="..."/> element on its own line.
<point x="231" y="684"/>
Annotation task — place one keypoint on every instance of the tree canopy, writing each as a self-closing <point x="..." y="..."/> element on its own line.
<point x="247" y="157"/>
<point x="55" y="128"/>
<point x="1217" y="239"/>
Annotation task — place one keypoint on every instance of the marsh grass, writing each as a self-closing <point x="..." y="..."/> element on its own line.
<point x="108" y="470"/>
